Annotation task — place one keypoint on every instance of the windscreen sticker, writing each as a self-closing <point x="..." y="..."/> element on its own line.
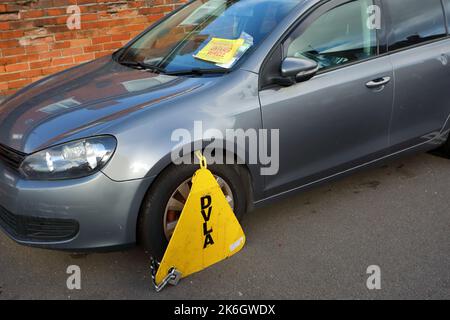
<point x="220" y="51"/>
<point x="248" y="43"/>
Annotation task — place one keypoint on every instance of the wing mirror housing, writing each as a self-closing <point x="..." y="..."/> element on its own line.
<point x="298" y="69"/>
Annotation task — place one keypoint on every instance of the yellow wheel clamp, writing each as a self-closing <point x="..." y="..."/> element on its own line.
<point x="206" y="233"/>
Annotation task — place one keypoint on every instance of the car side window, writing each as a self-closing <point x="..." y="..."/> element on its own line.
<point x="447" y="12"/>
<point x="413" y="22"/>
<point x="340" y="36"/>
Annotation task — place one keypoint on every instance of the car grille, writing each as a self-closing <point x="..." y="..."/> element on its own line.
<point x="37" y="229"/>
<point x="11" y="157"/>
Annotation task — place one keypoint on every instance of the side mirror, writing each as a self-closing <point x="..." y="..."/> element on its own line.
<point x="301" y="69"/>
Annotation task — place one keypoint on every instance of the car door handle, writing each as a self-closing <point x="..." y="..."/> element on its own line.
<point x="378" y="82"/>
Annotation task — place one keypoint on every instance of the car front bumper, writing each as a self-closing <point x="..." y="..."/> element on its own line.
<point x="92" y="213"/>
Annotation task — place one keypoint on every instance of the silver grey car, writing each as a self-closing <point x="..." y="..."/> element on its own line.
<point x="85" y="155"/>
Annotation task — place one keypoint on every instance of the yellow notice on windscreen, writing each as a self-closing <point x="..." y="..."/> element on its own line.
<point x="220" y="51"/>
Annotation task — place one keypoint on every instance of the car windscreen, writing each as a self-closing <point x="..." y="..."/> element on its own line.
<point x="208" y="35"/>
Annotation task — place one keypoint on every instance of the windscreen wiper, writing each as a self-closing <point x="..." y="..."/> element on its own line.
<point x="142" y="66"/>
<point x="197" y="72"/>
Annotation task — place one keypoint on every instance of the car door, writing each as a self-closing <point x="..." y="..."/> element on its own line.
<point x="339" y="118"/>
<point x="419" y="50"/>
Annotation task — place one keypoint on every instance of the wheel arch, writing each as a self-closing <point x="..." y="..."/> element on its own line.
<point x="247" y="173"/>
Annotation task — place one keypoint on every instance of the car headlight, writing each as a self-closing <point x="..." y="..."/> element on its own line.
<point x="71" y="160"/>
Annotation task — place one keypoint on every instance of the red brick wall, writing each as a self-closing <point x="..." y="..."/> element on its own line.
<point x="35" y="40"/>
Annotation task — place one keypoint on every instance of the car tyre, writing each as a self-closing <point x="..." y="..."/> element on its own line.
<point x="446" y="149"/>
<point x="151" y="233"/>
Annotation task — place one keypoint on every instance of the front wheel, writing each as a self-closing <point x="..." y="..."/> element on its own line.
<point x="166" y="198"/>
<point x="446" y="148"/>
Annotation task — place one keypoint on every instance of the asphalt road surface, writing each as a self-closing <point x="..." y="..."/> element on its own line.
<point x="315" y="245"/>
